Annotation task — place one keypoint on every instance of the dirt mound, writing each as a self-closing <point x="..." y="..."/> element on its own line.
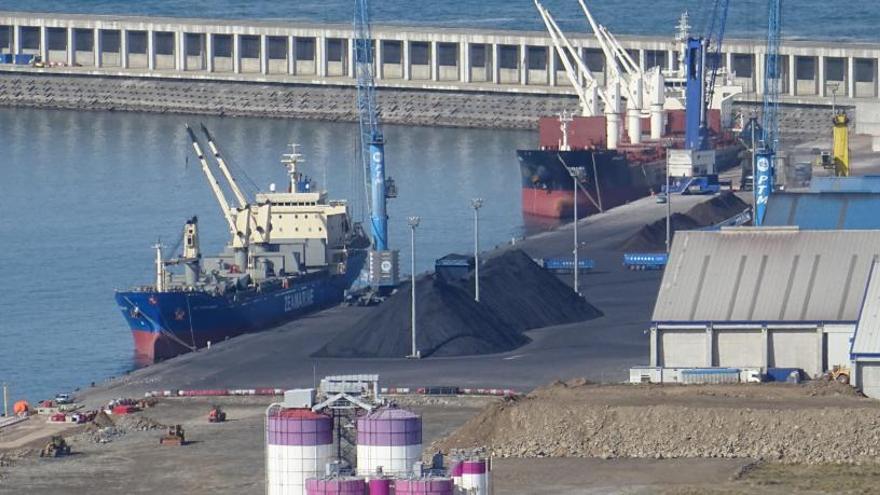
<point x="652" y="237"/>
<point x="788" y="424"/>
<point x="525" y="296"/>
<point x="450" y="323"/>
<point x="515" y="295"/>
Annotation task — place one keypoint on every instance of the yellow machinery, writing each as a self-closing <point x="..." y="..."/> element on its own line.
<point x="841" y="145"/>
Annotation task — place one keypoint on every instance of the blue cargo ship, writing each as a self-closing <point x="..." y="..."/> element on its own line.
<point x="290" y="253"/>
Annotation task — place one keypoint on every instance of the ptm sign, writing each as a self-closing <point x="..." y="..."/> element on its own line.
<point x="763" y="182"/>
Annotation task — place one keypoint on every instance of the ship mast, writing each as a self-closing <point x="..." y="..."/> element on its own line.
<point x="160" y="268"/>
<point x="291" y="160"/>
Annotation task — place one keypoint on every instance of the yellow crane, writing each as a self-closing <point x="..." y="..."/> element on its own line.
<point x="840" y="156"/>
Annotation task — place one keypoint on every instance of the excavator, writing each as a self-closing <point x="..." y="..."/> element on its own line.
<point x="56" y="447"/>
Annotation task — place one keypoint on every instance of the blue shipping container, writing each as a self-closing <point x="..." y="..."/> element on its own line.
<point x="566" y="265"/>
<point x="784" y="375"/>
<point x="645" y="261"/>
<point x="23" y="59"/>
<point x="5" y="58"/>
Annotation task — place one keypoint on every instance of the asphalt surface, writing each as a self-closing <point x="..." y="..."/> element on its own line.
<point x="602" y="349"/>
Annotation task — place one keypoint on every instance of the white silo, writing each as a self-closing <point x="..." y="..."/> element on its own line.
<point x="299" y="444"/>
<point x="390" y="439"/>
<point x="475" y="477"/>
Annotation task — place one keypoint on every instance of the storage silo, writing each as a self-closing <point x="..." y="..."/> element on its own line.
<point x="336" y="486"/>
<point x="475" y="477"/>
<point x="424" y="486"/>
<point x="389" y="439"/>
<point x="380" y="486"/>
<point x="299" y="443"/>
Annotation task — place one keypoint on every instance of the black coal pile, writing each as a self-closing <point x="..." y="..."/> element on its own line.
<point x="717" y="209"/>
<point x="515" y="295"/>
<point x="525" y="296"/>
<point x="652" y="237"/>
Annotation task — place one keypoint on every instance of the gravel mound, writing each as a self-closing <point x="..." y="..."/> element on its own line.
<point x="791" y="424"/>
<point x="515" y="295"/>
<point x="652" y="237"/>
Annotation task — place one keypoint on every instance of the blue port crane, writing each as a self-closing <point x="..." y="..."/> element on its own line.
<point x="383" y="262"/>
<point x="703" y="60"/>
<point x="765" y="157"/>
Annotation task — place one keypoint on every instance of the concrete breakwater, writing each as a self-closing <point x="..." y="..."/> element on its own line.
<point x="329" y="103"/>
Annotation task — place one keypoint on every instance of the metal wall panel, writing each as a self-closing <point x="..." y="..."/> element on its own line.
<point x="738" y="348"/>
<point x="683" y="349"/>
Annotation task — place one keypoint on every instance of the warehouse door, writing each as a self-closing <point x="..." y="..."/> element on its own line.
<point x="869" y="379"/>
<point x="796" y="349"/>
<point x="683" y="348"/>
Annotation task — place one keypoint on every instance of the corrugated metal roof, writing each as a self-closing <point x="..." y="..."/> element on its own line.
<point x="824" y="211"/>
<point x="859" y="184"/>
<point x="867" y="338"/>
<point x="767" y="275"/>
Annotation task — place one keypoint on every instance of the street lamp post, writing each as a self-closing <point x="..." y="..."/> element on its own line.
<point x="413" y="223"/>
<point x="476" y="204"/>
<point x="576" y="175"/>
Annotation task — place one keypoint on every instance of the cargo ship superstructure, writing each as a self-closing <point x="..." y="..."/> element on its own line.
<point x="290" y="253"/>
<point x="603" y="150"/>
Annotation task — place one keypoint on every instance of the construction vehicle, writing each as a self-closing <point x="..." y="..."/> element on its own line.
<point x="56" y="447"/>
<point x="839" y="374"/>
<point x="216" y="415"/>
<point x="174" y="436"/>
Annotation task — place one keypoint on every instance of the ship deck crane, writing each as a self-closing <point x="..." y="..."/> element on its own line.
<point x="215" y="185"/>
<point x="588" y="91"/>
<point x="632" y="84"/>
<point x="383" y="262"/>
<point x="233" y="185"/>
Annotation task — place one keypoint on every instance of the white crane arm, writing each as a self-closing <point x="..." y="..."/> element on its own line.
<point x="629" y="65"/>
<point x="212" y="181"/>
<point x="236" y="190"/>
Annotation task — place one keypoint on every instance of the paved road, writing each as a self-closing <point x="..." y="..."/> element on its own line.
<point x="602" y="349"/>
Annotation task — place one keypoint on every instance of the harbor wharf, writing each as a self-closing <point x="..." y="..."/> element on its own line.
<point x="441" y="60"/>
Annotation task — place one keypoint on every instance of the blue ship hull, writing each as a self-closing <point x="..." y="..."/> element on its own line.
<point x="167" y="324"/>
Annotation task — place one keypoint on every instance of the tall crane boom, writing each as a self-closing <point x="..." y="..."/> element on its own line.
<point x="715" y="34"/>
<point x="372" y="139"/>
<point x="233" y="184"/>
<point x="215" y="185"/>
<point x="765" y="158"/>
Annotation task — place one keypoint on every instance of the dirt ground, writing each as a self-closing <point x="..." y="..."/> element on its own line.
<point x="229" y="458"/>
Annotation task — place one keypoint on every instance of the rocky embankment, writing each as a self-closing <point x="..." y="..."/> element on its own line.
<point x="808" y="424"/>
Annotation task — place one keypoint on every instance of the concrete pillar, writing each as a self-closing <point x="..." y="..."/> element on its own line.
<point x="643" y="59"/>
<point x="236" y="53"/>
<point x="670" y="60"/>
<point x="792" y="74"/>
<point x="434" y="58"/>
<point x="123" y="48"/>
<point x="464" y="63"/>
<point x="551" y="66"/>
<point x="654" y="360"/>
<point x="580" y="52"/>
<point x="151" y="50"/>
<point x="321" y="55"/>
<point x="264" y="54"/>
<point x="71" y="46"/>
<point x="496" y="64"/>
<point x="710" y="345"/>
<point x="407" y="66"/>
<point x="16" y="39"/>
<point x="765" y="349"/>
<point x="728" y="61"/>
<point x="99" y="50"/>
<point x="850" y="77"/>
<point x="209" y="52"/>
<point x="523" y="64"/>
<point x="820" y="351"/>
<point x="291" y="55"/>
<point x="44" y="44"/>
<point x="377" y="59"/>
<point x="180" y="51"/>
<point x="380" y="60"/>
<point x="821" y="75"/>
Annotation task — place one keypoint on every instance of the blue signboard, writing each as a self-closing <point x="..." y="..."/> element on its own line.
<point x="763" y="182"/>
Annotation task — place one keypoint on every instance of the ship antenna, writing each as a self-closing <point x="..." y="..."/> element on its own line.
<point x="291" y="160"/>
